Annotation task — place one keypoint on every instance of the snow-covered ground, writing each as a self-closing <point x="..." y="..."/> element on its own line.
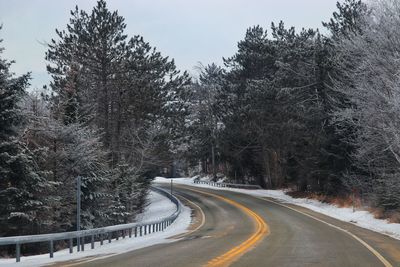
<point x="360" y="218"/>
<point x="159" y="207"/>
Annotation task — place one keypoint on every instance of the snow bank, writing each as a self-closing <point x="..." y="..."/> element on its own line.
<point x="159" y="207"/>
<point x="360" y="218"/>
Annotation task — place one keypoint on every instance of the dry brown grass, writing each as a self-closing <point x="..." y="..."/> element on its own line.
<point x="346" y="201"/>
<point x="378" y="213"/>
<point x="391" y="216"/>
<point x="394" y="217"/>
<point x="340" y="201"/>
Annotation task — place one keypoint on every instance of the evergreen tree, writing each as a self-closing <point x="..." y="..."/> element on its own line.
<point x="348" y="19"/>
<point x="112" y="82"/>
<point x="205" y="122"/>
<point x="121" y="88"/>
<point x="64" y="152"/>
<point x="275" y="106"/>
<point x="23" y="200"/>
<point x="277" y="103"/>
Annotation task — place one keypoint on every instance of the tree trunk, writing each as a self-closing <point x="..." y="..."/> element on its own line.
<point x="267" y="177"/>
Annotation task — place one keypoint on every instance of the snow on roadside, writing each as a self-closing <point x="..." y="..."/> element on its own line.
<point x="159" y="207"/>
<point x="360" y="218"/>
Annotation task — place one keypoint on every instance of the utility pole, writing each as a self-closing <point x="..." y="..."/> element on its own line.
<point x="78" y="209"/>
<point x="171" y="186"/>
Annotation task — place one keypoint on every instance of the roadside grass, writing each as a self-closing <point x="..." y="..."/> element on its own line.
<point x="347" y="201"/>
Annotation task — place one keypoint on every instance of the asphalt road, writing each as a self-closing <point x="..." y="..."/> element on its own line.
<point x="239" y="230"/>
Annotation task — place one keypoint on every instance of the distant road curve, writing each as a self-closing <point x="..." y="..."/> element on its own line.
<point x="234" y="229"/>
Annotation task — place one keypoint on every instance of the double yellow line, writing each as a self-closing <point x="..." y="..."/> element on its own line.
<point x="261" y="230"/>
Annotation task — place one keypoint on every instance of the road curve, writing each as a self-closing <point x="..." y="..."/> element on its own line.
<point x="291" y="238"/>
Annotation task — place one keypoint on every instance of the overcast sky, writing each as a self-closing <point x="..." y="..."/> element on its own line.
<point x="190" y="31"/>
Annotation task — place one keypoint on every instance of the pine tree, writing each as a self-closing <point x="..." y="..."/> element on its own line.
<point x="113" y="83"/>
<point x="205" y="123"/>
<point x="348" y="19"/>
<point x="22" y="186"/>
<point x="64" y="152"/>
<point x="121" y="88"/>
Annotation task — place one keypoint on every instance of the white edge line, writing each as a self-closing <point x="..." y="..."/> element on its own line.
<point x="203" y="216"/>
<point x="385" y="262"/>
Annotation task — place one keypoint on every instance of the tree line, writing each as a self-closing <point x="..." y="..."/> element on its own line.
<point x="317" y="112"/>
<point x="108" y="115"/>
<point x="310" y="110"/>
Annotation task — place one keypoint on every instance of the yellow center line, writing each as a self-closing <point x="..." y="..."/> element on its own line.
<point x="261" y="230"/>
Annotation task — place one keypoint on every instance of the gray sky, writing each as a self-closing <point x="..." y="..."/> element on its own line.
<point x="190" y="31"/>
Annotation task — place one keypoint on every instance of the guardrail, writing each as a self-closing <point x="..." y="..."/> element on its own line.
<point x="242" y="186"/>
<point x="104" y="233"/>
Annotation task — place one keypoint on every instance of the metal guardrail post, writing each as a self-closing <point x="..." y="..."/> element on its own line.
<point x="70" y="243"/>
<point x="92" y="242"/>
<point x="18" y="252"/>
<point x="51" y="249"/>
<point x="78" y="207"/>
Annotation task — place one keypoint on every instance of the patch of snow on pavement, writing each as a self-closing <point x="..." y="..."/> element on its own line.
<point x="159" y="207"/>
<point x="360" y="218"/>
